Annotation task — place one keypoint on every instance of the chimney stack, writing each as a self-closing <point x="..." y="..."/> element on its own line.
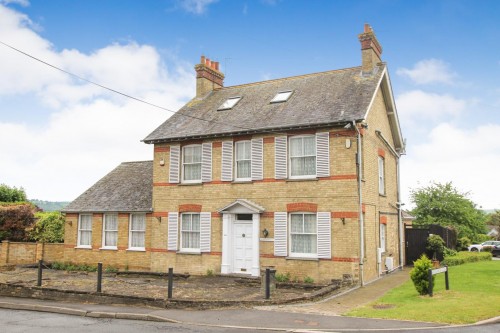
<point x="208" y="77"/>
<point x="370" y="49"/>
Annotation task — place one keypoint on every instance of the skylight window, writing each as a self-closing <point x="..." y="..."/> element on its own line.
<point x="282" y="96"/>
<point x="229" y="103"/>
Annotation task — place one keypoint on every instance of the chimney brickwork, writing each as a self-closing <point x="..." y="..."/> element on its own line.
<point x="370" y="49"/>
<point x="208" y="77"/>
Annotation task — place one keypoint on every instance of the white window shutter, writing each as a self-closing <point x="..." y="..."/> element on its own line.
<point x="173" y="230"/>
<point x="257" y="159"/>
<point x="324" y="235"/>
<point x="280" y="234"/>
<point x="280" y="157"/>
<point x="206" y="162"/>
<point x="175" y="153"/>
<point x="323" y="154"/>
<point x="227" y="161"/>
<point x="205" y="231"/>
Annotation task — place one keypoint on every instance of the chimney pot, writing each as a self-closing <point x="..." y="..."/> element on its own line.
<point x="217" y="65"/>
<point x="202" y="60"/>
<point x="208" y="63"/>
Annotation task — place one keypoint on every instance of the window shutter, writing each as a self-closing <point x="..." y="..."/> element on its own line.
<point x="324" y="235"/>
<point x="280" y="234"/>
<point x="206" y="162"/>
<point x="205" y="230"/>
<point x="280" y="157"/>
<point x="175" y="153"/>
<point x="227" y="161"/>
<point x="257" y="159"/>
<point x="173" y="230"/>
<point x="323" y="154"/>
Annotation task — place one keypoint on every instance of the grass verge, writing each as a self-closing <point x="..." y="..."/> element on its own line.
<point x="473" y="296"/>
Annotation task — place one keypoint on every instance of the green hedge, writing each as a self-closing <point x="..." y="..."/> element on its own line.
<point x="465" y="257"/>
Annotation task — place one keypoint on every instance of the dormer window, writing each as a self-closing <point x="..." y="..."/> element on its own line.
<point x="282" y="96"/>
<point x="229" y="103"/>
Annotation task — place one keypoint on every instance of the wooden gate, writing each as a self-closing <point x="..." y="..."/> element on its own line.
<point x="416" y="239"/>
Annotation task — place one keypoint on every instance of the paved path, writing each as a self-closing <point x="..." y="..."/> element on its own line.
<point x="343" y="303"/>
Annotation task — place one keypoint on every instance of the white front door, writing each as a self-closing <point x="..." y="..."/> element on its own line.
<point x="242" y="237"/>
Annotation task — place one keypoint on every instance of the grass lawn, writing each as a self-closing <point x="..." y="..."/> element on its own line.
<point x="474" y="295"/>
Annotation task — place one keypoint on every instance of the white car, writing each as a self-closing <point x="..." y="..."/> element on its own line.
<point x="479" y="247"/>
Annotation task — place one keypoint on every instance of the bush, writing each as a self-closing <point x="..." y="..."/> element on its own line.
<point x="435" y="246"/>
<point x="466" y="257"/>
<point x="449" y="252"/>
<point x="463" y="243"/>
<point x="49" y="228"/>
<point x="308" y="279"/>
<point x="479" y="238"/>
<point x="282" y="277"/>
<point x="420" y="274"/>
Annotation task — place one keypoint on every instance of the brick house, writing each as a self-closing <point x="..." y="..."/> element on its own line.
<point x="299" y="173"/>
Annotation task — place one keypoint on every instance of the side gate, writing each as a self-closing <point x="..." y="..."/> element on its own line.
<point x="415" y="243"/>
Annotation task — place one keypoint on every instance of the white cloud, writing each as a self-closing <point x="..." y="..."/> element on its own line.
<point x="90" y="130"/>
<point x="23" y="3"/>
<point x="197" y="7"/>
<point x="467" y="157"/>
<point x="420" y="105"/>
<point x="429" y="71"/>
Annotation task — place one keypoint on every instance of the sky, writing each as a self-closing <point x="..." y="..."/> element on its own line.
<point x="60" y="134"/>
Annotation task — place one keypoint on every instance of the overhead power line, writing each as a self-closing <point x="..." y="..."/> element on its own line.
<point x="118" y="92"/>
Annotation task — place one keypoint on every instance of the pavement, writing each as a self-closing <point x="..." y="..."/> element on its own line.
<point x="324" y="315"/>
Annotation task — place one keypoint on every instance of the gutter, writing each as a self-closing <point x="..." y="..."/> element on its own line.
<point x="360" y="208"/>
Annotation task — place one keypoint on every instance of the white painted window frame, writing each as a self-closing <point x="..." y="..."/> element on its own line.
<point x="105" y="230"/>
<point x="290" y="245"/>
<point x="236" y="144"/>
<point x="181" y="230"/>
<point x="79" y="245"/>
<point x="192" y="181"/>
<point x="131" y="232"/>
<point x="383" y="236"/>
<point x="289" y="158"/>
<point x="381" y="175"/>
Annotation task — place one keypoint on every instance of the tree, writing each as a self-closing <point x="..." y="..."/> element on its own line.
<point x="49" y="227"/>
<point x="493" y="220"/>
<point x="11" y="194"/>
<point x="15" y="218"/>
<point x="443" y="204"/>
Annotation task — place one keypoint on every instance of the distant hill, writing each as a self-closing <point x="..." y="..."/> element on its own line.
<point x="50" y="206"/>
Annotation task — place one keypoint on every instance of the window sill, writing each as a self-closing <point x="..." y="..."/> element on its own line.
<point x="382" y="195"/>
<point x="266" y="239"/>
<point x="81" y="247"/>
<point x="189" y="252"/>
<point x="112" y="248"/>
<point x="241" y="182"/>
<point x="191" y="184"/>
<point x="302" y="179"/>
<point x="302" y="258"/>
<point x="136" y="250"/>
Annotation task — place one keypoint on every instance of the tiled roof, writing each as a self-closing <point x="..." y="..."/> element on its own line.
<point x="332" y="97"/>
<point x="128" y="188"/>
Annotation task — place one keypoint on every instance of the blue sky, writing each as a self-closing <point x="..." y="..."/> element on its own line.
<point x="59" y="135"/>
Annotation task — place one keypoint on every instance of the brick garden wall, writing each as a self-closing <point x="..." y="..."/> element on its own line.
<point x="19" y="253"/>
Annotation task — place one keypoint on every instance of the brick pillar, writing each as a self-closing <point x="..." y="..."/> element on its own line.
<point x="4" y="253"/>
<point x="40" y="247"/>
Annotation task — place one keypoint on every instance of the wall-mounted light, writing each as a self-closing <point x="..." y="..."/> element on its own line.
<point x="265" y="232"/>
<point x="70" y="222"/>
<point x="162" y="162"/>
<point x="158" y="218"/>
<point x="348" y="143"/>
<point x="343" y="220"/>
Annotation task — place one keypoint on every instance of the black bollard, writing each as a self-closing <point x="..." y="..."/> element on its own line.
<point x="170" y="282"/>
<point x="99" y="277"/>
<point x="39" y="281"/>
<point x="268" y="283"/>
